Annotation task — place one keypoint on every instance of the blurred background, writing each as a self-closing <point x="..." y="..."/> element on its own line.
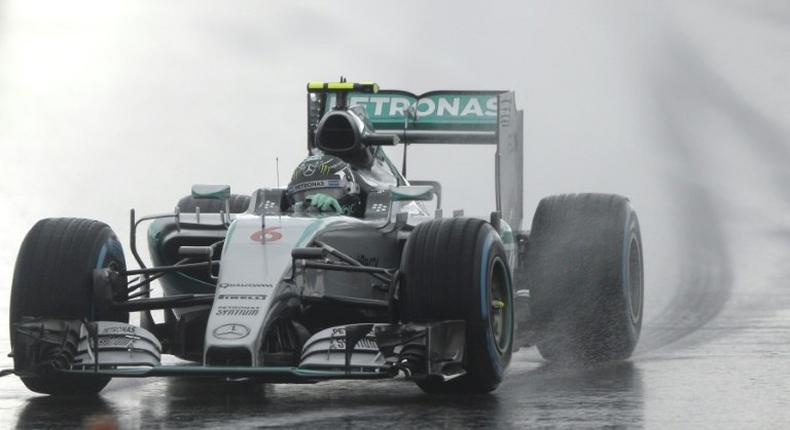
<point x="682" y="106"/>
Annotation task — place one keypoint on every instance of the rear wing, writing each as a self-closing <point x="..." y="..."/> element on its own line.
<point x="445" y="117"/>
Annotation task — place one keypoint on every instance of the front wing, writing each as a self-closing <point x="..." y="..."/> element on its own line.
<point x="357" y="351"/>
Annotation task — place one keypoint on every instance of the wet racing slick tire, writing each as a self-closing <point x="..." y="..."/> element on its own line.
<point x="238" y="204"/>
<point x="53" y="278"/>
<point x="457" y="269"/>
<point x="585" y="277"/>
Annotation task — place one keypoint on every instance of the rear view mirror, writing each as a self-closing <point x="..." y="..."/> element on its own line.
<point x="214" y="192"/>
<point x="437" y="190"/>
<point x="412" y="192"/>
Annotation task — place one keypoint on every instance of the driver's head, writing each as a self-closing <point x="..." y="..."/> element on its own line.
<point x="325" y="174"/>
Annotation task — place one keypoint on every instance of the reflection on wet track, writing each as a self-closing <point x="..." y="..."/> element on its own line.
<point x="596" y="396"/>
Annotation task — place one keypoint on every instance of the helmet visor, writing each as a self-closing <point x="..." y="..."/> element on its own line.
<point x="301" y="196"/>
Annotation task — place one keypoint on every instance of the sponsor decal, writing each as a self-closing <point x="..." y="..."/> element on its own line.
<point x="123" y="329"/>
<point x="313" y="164"/>
<point x="231" y="331"/>
<point x="505" y="114"/>
<point x="308" y="186"/>
<point x="438" y="108"/>
<point x="314" y="185"/>
<point x="309" y="169"/>
<point x="309" y="166"/>
<point x="364" y="344"/>
<point x="337" y="341"/>
<point x="379" y="207"/>
<point x="269" y="234"/>
<point x="368" y="261"/>
<point x="116" y="342"/>
<point x="241" y="297"/>
<point x="341" y="332"/>
<point x="237" y="311"/>
<point x="244" y="285"/>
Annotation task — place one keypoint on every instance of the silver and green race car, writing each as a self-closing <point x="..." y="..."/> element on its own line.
<point x="253" y="289"/>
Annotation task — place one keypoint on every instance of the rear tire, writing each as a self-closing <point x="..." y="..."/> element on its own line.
<point x="456" y="269"/>
<point x="585" y="276"/>
<point x="238" y="204"/>
<point x="53" y="278"/>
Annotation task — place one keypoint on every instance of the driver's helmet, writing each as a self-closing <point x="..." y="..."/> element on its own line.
<point x="325" y="174"/>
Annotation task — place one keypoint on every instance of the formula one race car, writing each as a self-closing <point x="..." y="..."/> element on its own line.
<point x="258" y="288"/>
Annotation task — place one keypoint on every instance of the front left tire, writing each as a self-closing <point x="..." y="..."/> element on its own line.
<point x="456" y="269"/>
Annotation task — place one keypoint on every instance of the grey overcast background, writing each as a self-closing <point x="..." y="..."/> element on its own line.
<point x="682" y="106"/>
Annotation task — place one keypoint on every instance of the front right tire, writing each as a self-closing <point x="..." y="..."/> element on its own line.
<point x="53" y="278"/>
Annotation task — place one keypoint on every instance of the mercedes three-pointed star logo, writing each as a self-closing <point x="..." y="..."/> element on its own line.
<point x="231" y="331"/>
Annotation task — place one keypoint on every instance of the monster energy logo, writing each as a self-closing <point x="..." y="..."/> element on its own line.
<point x="325" y="169"/>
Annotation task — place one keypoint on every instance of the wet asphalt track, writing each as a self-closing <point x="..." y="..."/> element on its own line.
<point x="704" y="156"/>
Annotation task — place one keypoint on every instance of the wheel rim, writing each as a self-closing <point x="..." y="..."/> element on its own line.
<point x="635" y="281"/>
<point x="500" y="315"/>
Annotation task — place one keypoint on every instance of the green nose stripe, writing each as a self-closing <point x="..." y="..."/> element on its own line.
<point x="497" y="304"/>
